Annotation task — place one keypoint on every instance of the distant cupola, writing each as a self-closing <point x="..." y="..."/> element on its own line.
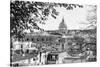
<point x="63" y="27"/>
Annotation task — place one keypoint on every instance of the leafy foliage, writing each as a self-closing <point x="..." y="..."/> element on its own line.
<point x="77" y="47"/>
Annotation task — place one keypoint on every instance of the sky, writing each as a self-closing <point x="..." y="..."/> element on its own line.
<point x="74" y="19"/>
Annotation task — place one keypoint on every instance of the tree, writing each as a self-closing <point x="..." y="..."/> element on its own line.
<point x="27" y="14"/>
<point x="76" y="49"/>
<point x="92" y="17"/>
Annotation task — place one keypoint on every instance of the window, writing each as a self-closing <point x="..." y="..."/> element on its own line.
<point x="27" y="39"/>
<point x="32" y="39"/>
<point x="57" y="44"/>
<point x="37" y="39"/>
<point x="43" y="39"/>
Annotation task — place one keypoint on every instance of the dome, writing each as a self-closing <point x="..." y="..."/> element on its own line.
<point x="62" y="25"/>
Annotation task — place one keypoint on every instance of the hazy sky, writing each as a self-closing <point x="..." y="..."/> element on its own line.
<point x="74" y="19"/>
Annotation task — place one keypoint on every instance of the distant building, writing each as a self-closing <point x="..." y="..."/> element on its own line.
<point x="63" y="27"/>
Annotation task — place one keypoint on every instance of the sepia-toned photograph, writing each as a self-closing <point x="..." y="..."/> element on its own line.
<point x="45" y="33"/>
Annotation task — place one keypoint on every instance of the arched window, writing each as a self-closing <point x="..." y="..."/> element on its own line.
<point x="26" y="39"/>
<point x="32" y="39"/>
<point x="43" y="39"/>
